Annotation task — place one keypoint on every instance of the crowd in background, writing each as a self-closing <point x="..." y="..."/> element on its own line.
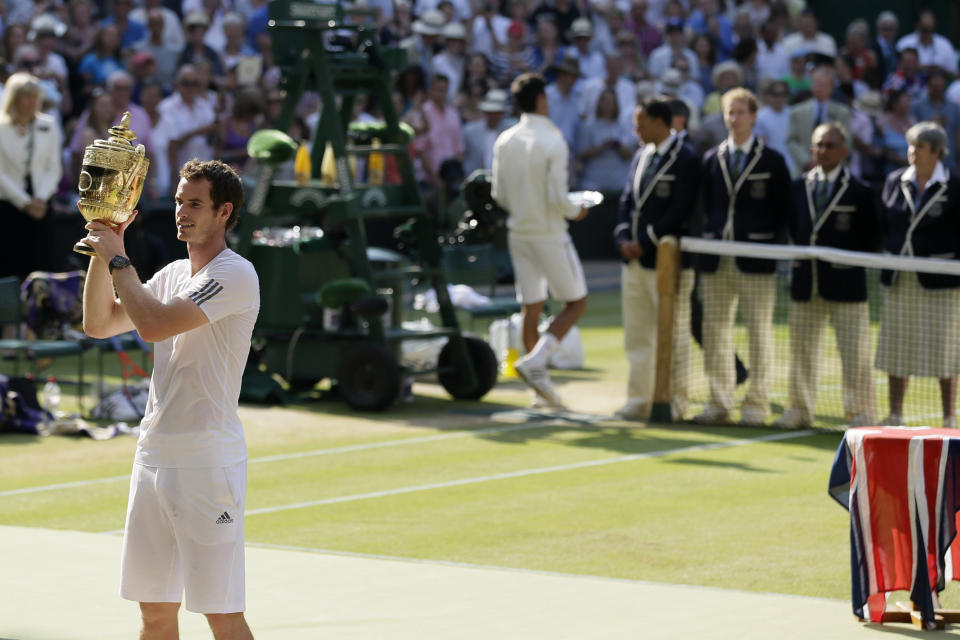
<point x="199" y="78"/>
<point x="602" y="56"/>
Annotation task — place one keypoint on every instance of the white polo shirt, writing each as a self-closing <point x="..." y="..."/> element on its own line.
<point x="191" y="416"/>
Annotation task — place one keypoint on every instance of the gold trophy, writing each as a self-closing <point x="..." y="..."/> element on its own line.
<point x="111" y="179"/>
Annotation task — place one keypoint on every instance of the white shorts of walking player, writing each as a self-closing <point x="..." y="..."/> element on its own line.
<point x="542" y="263"/>
<point x="184" y="533"/>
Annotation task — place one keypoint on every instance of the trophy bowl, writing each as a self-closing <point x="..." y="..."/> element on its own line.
<point x="111" y="179"/>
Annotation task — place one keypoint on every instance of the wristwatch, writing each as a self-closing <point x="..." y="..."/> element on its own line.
<point x="118" y="262"/>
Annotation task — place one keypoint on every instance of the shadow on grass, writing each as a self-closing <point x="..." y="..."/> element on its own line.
<point x="721" y="465"/>
<point x="649" y="439"/>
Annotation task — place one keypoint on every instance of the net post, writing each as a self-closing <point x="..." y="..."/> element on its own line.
<point x="668" y="268"/>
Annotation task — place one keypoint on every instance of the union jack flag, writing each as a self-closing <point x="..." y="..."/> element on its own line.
<point x="902" y="488"/>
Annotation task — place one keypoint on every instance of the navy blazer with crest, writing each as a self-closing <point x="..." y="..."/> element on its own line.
<point x="849" y="222"/>
<point x="760" y="203"/>
<point x="664" y="205"/>
<point x="935" y="223"/>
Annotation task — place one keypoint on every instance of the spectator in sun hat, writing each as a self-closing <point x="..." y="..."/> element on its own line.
<point x="172" y="32"/>
<point x="422" y="45"/>
<point x="155" y="45"/>
<point x="451" y="60"/>
<point x="45" y="30"/>
<point x="564" y="99"/>
<point x="195" y="24"/>
<point x="726" y="76"/>
<point x="591" y="60"/>
<point x="676" y="45"/>
<point x="479" y="135"/>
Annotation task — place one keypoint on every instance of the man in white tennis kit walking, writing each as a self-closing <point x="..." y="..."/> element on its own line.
<point x="530" y="182"/>
<point x="184" y="527"/>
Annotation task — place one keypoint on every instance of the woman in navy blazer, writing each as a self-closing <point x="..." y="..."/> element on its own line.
<point x="920" y="332"/>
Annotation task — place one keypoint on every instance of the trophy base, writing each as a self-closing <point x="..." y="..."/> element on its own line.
<point x="84" y="248"/>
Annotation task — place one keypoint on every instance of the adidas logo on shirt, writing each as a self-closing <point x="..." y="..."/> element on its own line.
<point x="225" y="518"/>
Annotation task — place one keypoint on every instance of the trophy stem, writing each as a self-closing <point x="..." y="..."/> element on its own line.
<point x="83" y="248"/>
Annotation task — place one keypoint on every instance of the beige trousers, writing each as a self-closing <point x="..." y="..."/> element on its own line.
<point x="722" y="292"/>
<point x="640" y="304"/>
<point x="851" y="326"/>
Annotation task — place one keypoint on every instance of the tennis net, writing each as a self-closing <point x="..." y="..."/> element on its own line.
<point x="872" y="339"/>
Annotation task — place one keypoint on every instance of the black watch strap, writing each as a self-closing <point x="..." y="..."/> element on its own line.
<point x="118" y="262"/>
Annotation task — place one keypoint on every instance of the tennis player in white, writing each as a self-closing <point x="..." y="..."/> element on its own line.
<point x="184" y="527"/>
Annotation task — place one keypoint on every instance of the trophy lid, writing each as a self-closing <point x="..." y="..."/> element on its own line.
<point x="118" y="151"/>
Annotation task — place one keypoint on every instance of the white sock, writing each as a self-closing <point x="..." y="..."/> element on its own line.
<point x="545" y="346"/>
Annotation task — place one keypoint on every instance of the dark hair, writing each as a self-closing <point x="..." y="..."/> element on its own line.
<point x="744" y="49"/>
<point x="679" y="107"/>
<point x="893" y="97"/>
<point x="658" y="108"/>
<point x="225" y="185"/>
<point x="616" y="103"/>
<point x="525" y="89"/>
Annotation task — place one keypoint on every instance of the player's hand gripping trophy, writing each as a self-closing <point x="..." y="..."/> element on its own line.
<point x="111" y="179"/>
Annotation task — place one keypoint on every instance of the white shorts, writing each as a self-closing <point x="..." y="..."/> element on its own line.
<point x="539" y="264"/>
<point x="184" y="532"/>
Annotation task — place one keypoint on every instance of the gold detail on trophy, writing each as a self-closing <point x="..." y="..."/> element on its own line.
<point x="111" y="178"/>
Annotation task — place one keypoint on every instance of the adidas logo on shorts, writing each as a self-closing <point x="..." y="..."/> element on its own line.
<point x="224" y="518"/>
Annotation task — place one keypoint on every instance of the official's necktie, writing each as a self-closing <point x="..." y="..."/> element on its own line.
<point x="821" y="196"/>
<point x="651" y="169"/>
<point x="736" y="164"/>
<point x="820" y="115"/>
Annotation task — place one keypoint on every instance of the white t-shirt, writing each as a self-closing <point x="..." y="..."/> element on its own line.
<point x="191" y="417"/>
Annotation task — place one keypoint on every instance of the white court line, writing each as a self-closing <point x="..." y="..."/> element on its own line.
<point x="315" y="452"/>
<point x="531" y="472"/>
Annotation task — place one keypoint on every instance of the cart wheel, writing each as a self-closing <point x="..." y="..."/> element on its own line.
<point x="484" y="368"/>
<point x="368" y="377"/>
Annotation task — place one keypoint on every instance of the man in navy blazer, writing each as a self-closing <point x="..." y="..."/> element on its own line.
<point x="831" y="208"/>
<point x="657" y="201"/>
<point x="745" y="187"/>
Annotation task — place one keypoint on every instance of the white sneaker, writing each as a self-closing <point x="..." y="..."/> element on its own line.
<point x="791" y="419"/>
<point x="893" y="420"/>
<point x="633" y="411"/>
<point x="752" y="416"/>
<point x="536" y="402"/>
<point x="712" y="414"/>
<point x="950" y="423"/>
<point x="862" y="420"/>
<point x="537" y="378"/>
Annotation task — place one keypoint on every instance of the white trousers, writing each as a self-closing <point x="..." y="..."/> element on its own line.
<point x="640" y="304"/>
<point x="722" y="292"/>
<point x="851" y="326"/>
